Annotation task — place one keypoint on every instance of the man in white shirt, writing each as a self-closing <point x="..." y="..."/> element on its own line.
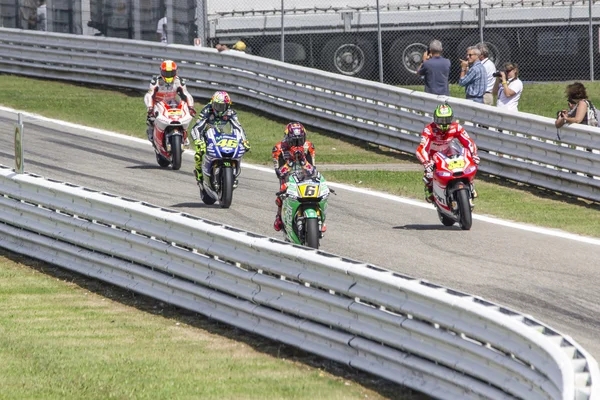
<point x="42" y="19"/>
<point x="490" y="68"/>
<point x="161" y="29"/>
<point x="509" y="87"/>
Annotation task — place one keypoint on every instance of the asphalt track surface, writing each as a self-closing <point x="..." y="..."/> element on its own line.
<point x="550" y="277"/>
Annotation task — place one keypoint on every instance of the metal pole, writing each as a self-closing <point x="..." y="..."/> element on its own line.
<point x="202" y="22"/>
<point x="380" y="51"/>
<point x="480" y="22"/>
<point x="170" y="22"/>
<point x="591" y="34"/>
<point x="282" y="33"/>
<point x="136" y="10"/>
<point x="19" y="167"/>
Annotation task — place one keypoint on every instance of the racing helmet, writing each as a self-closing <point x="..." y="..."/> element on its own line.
<point x="220" y="103"/>
<point x="295" y="134"/>
<point x="442" y="117"/>
<point x="168" y="70"/>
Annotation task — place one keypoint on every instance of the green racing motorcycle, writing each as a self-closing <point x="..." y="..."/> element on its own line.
<point x="304" y="208"/>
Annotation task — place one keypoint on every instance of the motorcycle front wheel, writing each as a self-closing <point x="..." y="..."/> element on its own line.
<point x="226" y="191"/>
<point x="464" y="210"/>
<point x="176" y="152"/>
<point x="311" y="234"/>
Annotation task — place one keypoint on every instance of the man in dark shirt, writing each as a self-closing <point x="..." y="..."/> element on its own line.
<point x="435" y="69"/>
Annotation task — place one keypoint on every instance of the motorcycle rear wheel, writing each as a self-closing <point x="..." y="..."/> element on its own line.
<point x="311" y="234"/>
<point x="226" y="191"/>
<point x="464" y="209"/>
<point x="163" y="162"/>
<point x="446" y="221"/>
<point x="176" y="152"/>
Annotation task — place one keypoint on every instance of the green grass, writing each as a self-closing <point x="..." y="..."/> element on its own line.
<point x="125" y="112"/>
<point x="538" y="98"/>
<point x="65" y="336"/>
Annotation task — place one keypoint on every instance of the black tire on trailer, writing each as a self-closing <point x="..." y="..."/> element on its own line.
<point x="404" y="58"/>
<point x="497" y="45"/>
<point x="349" y="56"/>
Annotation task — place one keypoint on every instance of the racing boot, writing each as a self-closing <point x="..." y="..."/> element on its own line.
<point x="150" y="133"/>
<point x="278" y="224"/>
<point x="429" y="194"/>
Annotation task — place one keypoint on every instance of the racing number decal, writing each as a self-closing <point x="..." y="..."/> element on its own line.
<point x="227" y="143"/>
<point x="309" y="190"/>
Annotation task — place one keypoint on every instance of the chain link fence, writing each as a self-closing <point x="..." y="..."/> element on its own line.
<point x="373" y="39"/>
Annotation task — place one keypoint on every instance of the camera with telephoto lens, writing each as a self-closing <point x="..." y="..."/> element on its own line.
<point x="497" y="74"/>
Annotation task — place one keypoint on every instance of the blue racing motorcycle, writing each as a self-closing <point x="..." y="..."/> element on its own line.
<point x="221" y="166"/>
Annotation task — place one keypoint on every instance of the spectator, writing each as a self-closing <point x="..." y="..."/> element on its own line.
<point x="490" y="68"/>
<point x="42" y="16"/>
<point x="161" y="30"/>
<point x="472" y="75"/>
<point x="508" y="87"/>
<point x="238" y="46"/>
<point x="28" y="14"/>
<point x="435" y="70"/>
<point x="581" y="110"/>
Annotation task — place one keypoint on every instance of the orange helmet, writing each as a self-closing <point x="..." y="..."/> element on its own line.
<point x="168" y="70"/>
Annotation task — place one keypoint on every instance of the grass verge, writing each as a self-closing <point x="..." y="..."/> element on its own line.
<point x="124" y="112"/>
<point x="68" y="336"/>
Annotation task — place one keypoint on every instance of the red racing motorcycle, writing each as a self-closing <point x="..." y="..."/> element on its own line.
<point x="453" y="185"/>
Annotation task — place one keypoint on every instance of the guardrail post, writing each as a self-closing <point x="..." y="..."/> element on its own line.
<point x="19" y="145"/>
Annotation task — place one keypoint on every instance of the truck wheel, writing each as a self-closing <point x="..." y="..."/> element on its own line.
<point x="498" y="46"/>
<point x="349" y="56"/>
<point x="405" y="56"/>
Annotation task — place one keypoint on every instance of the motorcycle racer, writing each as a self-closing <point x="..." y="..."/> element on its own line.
<point x="165" y="87"/>
<point x="294" y="148"/>
<point x="217" y="112"/>
<point x="437" y="136"/>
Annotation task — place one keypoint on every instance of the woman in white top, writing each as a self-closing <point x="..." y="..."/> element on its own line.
<point x="508" y="87"/>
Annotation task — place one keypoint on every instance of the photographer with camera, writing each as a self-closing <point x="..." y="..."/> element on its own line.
<point x="435" y="70"/>
<point x="581" y="110"/>
<point x="508" y="87"/>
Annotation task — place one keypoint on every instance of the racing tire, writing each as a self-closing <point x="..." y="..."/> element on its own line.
<point x="349" y="56"/>
<point x="446" y="221"/>
<point x="464" y="210"/>
<point x="163" y="162"/>
<point x="226" y="191"/>
<point x="498" y="46"/>
<point x="176" y="152"/>
<point x="311" y="234"/>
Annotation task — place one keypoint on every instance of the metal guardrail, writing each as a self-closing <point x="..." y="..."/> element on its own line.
<point x="517" y="146"/>
<point x="436" y="340"/>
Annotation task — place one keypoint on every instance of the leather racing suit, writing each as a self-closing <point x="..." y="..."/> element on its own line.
<point x="160" y="90"/>
<point x="433" y="139"/>
<point x="208" y="117"/>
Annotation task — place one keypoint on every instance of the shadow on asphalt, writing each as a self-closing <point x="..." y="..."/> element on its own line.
<point x="417" y="227"/>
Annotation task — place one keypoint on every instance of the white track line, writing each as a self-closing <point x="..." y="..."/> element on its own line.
<point x="387" y="196"/>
